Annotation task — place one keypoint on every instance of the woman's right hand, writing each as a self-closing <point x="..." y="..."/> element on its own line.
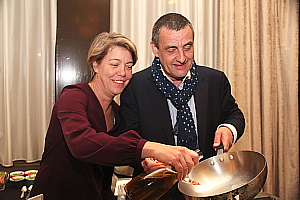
<point x="181" y="158"/>
<point x="150" y="165"/>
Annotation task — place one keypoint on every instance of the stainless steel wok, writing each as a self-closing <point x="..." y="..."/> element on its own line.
<point x="232" y="175"/>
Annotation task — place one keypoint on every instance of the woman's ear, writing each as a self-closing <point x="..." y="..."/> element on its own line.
<point x="154" y="49"/>
<point x="95" y="65"/>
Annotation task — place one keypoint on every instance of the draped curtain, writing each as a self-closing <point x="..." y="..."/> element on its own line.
<point x="135" y="18"/>
<point x="27" y="57"/>
<point x="259" y="53"/>
<point x="255" y="42"/>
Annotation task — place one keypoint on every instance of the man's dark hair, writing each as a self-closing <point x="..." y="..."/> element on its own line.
<point x="171" y="21"/>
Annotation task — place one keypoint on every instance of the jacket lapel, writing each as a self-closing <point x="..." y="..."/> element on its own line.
<point x="160" y="105"/>
<point x="201" y="109"/>
<point x="162" y="110"/>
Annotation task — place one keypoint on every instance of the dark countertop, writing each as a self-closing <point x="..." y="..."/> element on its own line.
<point x="14" y="194"/>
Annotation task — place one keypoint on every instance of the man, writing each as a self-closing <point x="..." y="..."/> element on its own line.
<point x="175" y="101"/>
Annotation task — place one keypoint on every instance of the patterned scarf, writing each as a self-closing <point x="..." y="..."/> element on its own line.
<point x="185" y="126"/>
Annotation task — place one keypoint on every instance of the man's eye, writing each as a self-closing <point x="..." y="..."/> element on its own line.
<point x="171" y="50"/>
<point x="188" y="47"/>
<point x="129" y="66"/>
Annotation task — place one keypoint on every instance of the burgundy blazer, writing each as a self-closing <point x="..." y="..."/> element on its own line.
<point x="79" y="153"/>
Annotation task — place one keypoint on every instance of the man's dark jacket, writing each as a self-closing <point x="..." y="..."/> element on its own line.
<point x="145" y="109"/>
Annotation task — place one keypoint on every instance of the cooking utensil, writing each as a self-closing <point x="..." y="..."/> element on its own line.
<point x="23" y="190"/>
<point x="219" y="149"/>
<point x="231" y="175"/>
<point x="29" y="190"/>
<point x="198" y="151"/>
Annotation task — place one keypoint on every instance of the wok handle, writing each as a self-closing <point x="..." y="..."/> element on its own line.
<point x="199" y="152"/>
<point x="219" y="149"/>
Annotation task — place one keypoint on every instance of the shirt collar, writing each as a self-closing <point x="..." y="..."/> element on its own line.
<point x="188" y="75"/>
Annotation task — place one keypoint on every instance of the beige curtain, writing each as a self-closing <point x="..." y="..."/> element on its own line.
<point x="135" y="18"/>
<point x="27" y="50"/>
<point x="259" y="53"/>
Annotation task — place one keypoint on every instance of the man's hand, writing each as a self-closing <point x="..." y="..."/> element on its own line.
<point x="223" y="136"/>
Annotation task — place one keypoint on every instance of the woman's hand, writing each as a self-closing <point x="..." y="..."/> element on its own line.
<point x="181" y="158"/>
<point x="150" y="165"/>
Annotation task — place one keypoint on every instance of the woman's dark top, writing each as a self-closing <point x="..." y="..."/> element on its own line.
<point x="80" y="153"/>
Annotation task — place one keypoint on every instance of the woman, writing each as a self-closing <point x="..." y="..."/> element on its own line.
<point x="81" y="146"/>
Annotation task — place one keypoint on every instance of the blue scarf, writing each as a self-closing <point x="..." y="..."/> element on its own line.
<point x="185" y="126"/>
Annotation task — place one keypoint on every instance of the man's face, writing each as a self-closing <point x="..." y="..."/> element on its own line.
<point x="175" y="51"/>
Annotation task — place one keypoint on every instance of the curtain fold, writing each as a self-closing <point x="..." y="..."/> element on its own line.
<point x="259" y="53"/>
<point x="28" y="34"/>
<point x="135" y="19"/>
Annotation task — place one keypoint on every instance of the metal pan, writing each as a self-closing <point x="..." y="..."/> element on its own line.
<point x="231" y="175"/>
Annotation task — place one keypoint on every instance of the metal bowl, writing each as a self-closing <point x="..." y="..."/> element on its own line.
<point x="231" y="175"/>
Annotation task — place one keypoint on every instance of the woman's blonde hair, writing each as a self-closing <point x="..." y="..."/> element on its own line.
<point x="103" y="42"/>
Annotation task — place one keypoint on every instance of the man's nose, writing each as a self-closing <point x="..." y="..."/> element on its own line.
<point x="181" y="56"/>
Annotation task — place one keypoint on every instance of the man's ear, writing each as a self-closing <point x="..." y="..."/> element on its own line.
<point x="154" y="49"/>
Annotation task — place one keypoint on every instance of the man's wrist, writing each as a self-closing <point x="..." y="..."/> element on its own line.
<point x="232" y="129"/>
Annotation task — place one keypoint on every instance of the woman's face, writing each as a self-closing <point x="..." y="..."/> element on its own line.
<point x="114" y="71"/>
